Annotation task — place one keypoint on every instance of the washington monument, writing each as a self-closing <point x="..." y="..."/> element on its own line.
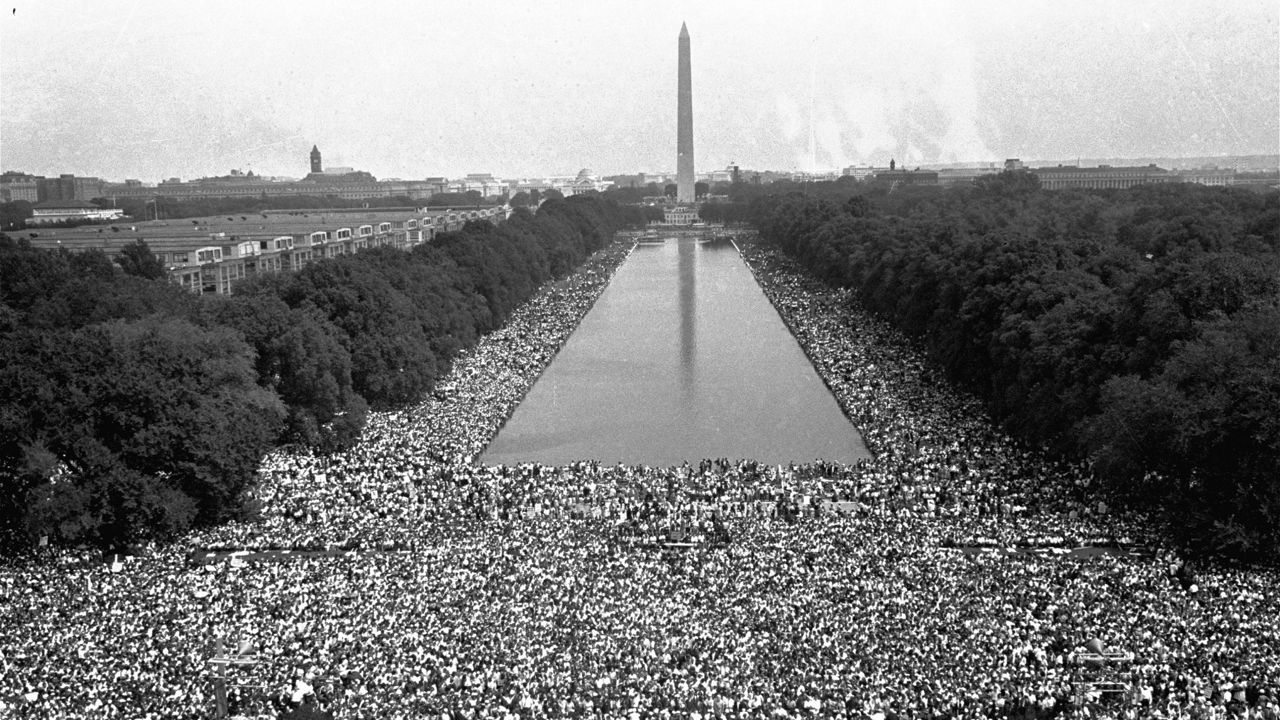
<point x="684" y="124"/>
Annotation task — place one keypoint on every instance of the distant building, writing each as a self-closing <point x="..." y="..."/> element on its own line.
<point x="1258" y="181"/>
<point x="954" y="176"/>
<point x="56" y="211"/>
<point x="341" y="173"/>
<point x="659" y="178"/>
<point x="211" y="254"/>
<point x="484" y="183"/>
<point x="1100" y="178"/>
<point x="15" y="187"/>
<point x="731" y="174"/>
<point x="584" y="181"/>
<point x="861" y="172"/>
<point x="345" y="187"/>
<point x="69" y="187"/>
<point x="896" y="176"/>
<point x="1208" y="176"/>
<point x="816" y="176"/>
<point x="341" y="182"/>
<point x="680" y="214"/>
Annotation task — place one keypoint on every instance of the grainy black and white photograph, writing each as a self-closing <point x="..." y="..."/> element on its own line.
<point x="661" y="360"/>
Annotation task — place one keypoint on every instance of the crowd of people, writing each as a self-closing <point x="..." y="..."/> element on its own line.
<point x="720" y="588"/>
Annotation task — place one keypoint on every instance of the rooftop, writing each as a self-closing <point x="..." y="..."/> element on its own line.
<point x="64" y="205"/>
<point x="1076" y="168"/>
<point x="186" y="233"/>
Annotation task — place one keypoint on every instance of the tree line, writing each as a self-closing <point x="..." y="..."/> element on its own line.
<point x="131" y="409"/>
<point x="1139" y="328"/>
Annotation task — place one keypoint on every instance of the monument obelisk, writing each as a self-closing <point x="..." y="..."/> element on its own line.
<point x="684" y="123"/>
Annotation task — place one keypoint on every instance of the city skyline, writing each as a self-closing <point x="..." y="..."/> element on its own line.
<point x="153" y="91"/>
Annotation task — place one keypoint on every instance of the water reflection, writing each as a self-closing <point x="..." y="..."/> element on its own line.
<point x="687" y="258"/>
<point x="681" y="358"/>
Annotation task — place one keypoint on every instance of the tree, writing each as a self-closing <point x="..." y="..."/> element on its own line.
<point x="131" y="409"/>
<point x="300" y="356"/>
<point x="700" y="189"/>
<point x="59" y="289"/>
<point x="1010" y="183"/>
<point x="391" y="357"/>
<point x="858" y="206"/>
<point x="14" y="215"/>
<point x="143" y="429"/>
<point x="138" y="260"/>
<point x="1136" y="328"/>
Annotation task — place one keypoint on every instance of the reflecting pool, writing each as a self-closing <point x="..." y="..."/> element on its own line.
<point x="682" y="357"/>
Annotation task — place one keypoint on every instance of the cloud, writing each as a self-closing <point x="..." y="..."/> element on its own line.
<point x="870" y="101"/>
<point x="149" y="89"/>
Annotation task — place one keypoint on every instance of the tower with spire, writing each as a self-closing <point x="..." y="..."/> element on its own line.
<point x="684" y="121"/>
<point x="315" y="160"/>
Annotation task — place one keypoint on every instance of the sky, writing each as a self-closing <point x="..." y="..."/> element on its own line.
<point x="152" y="90"/>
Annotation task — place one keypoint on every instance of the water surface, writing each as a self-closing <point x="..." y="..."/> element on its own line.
<point x="682" y="357"/>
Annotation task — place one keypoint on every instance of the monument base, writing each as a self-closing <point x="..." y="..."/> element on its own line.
<point x="680" y="215"/>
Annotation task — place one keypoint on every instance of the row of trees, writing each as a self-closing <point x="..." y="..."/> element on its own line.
<point x="131" y="409"/>
<point x="1139" y="328"/>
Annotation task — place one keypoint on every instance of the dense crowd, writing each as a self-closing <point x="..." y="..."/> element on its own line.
<point x="720" y="588"/>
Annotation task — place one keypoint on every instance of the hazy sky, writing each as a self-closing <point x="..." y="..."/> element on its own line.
<point x="413" y="89"/>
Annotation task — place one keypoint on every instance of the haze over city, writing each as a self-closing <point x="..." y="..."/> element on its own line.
<point x="154" y="90"/>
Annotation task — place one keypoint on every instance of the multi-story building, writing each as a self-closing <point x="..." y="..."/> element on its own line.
<point x="13" y="189"/>
<point x="68" y="187"/>
<point x="955" y="176"/>
<point x="1101" y="177"/>
<point x="1208" y="176"/>
<point x="728" y="175"/>
<point x="812" y="176"/>
<point x="583" y="182"/>
<point x="484" y="183"/>
<point x="57" y="211"/>
<point x="209" y="254"/>
<point x="680" y="214"/>
<point x="861" y="172"/>
<point x="253" y="187"/>
<point x="900" y="176"/>
<point x="345" y="183"/>
<point x="1258" y="181"/>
